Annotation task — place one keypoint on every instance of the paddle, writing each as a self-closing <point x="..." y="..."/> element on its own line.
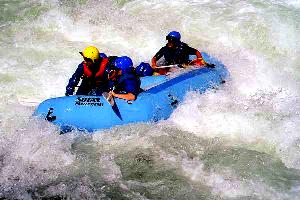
<point x="167" y="66"/>
<point x="29" y="102"/>
<point x="193" y="62"/>
<point x="110" y="99"/>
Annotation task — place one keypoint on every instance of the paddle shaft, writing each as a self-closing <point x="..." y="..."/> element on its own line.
<point x="178" y="65"/>
<point x="166" y="66"/>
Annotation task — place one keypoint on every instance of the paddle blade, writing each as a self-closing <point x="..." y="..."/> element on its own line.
<point x="108" y="98"/>
<point x="111" y="101"/>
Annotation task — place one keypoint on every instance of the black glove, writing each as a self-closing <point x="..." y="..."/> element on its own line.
<point x="69" y="91"/>
<point x="209" y="65"/>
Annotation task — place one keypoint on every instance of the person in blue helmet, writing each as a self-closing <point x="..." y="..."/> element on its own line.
<point x="176" y="52"/>
<point x="91" y="73"/>
<point x="123" y="80"/>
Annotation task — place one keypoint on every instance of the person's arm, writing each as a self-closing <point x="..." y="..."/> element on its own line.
<point x="153" y="63"/>
<point x="198" y="54"/>
<point x="131" y="89"/>
<point x="127" y="96"/>
<point x="74" y="80"/>
<point x="156" y="57"/>
<point x="199" y="60"/>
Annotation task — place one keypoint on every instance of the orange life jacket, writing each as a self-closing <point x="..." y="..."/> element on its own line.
<point x="99" y="74"/>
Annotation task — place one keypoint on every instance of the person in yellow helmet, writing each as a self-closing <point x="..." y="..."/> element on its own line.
<point x="91" y="70"/>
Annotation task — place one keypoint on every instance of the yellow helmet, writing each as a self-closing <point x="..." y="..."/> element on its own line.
<point x="90" y="52"/>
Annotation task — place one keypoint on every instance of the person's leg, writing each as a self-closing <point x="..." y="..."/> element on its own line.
<point x="103" y="87"/>
<point x="83" y="89"/>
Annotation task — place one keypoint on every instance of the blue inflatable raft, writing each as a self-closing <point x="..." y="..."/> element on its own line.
<point x="160" y="97"/>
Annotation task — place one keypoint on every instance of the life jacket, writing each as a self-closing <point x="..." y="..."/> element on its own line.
<point x="177" y="55"/>
<point x="126" y="76"/>
<point x="99" y="74"/>
<point x="119" y="84"/>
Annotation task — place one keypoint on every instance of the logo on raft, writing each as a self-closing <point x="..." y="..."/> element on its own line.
<point x="88" y="101"/>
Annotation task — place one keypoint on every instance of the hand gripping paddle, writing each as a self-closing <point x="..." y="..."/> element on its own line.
<point x="109" y="98"/>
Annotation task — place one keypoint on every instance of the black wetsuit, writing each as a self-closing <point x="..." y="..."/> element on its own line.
<point x="178" y="55"/>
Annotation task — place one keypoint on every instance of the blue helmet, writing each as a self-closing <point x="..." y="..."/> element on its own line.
<point x="173" y="35"/>
<point x="102" y="55"/>
<point x="144" y="69"/>
<point x="124" y="63"/>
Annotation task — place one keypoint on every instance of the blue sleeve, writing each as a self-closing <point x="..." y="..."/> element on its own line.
<point x="74" y="80"/>
<point x="132" y="86"/>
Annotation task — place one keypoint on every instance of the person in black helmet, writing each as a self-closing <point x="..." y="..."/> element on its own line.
<point x="176" y="52"/>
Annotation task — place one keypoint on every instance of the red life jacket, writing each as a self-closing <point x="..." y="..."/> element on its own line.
<point x="99" y="74"/>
